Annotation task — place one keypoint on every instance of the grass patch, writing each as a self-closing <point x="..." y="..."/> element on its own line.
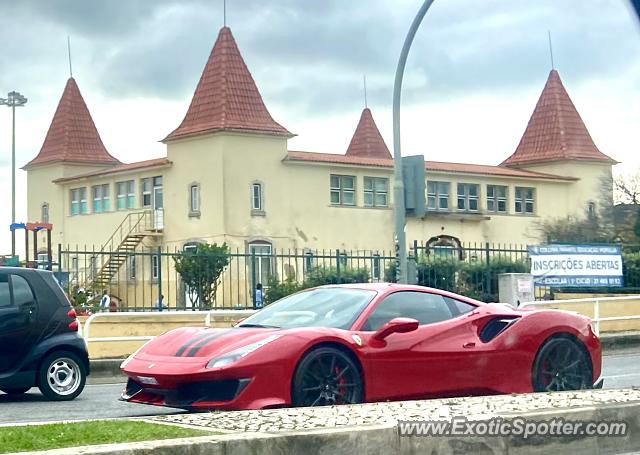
<point x="61" y="435"/>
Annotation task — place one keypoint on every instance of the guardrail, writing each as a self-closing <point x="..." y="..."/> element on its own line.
<point x="595" y="308"/>
<point x="207" y="316"/>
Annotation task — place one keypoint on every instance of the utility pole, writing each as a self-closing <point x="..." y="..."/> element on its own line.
<point x="13" y="100"/>
<point x="400" y="239"/>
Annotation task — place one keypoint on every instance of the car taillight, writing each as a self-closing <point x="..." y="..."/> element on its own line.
<point x="73" y="325"/>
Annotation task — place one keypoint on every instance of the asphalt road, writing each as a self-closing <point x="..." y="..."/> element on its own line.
<point x="100" y="401"/>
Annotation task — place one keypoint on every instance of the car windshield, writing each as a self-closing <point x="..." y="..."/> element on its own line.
<point x="323" y="307"/>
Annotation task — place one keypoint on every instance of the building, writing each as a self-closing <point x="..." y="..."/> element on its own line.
<point x="229" y="176"/>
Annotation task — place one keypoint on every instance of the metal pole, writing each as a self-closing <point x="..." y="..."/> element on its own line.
<point x="13" y="179"/>
<point x="398" y="186"/>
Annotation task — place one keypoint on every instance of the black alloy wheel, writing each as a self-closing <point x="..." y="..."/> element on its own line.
<point x="326" y="376"/>
<point x="561" y="364"/>
<point x="16" y="390"/>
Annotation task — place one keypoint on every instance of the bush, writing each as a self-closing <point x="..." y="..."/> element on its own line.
<point x="631" y="267"/>
<point x="278" y="290"/>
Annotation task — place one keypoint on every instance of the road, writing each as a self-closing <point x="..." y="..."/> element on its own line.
<point x="100" y="401"/>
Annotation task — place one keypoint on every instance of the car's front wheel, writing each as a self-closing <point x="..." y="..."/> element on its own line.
<point x="62" y="376"/>
<point x="561" y="364"/>
<point x="326" y="376"/>
<point x="16" y="391"/>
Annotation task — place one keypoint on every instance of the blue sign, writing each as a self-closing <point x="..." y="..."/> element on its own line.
<point x="583" y="266"/>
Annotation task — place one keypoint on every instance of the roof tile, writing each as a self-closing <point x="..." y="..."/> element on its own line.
<point x="226" y="97"/>
<point x="555" y="131"/>
<point x="367" y="140"/>
<point x="72" y="136"/>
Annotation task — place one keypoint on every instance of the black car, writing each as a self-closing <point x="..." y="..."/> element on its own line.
<point x="39" y="341"/>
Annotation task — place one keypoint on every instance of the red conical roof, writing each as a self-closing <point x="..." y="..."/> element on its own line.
<point x="555" y="131"/>
<point x="72" y="135"/>
<point x="367" y="140"/>
<point x="226" y="97"/>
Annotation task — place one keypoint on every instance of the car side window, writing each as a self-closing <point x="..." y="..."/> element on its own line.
<point x="5" y="295"/>
<point x="426" y="308"/>
<point x="459" y="307"/>
<point x="22" y="294"/>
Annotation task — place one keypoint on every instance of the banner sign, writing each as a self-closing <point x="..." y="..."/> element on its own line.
<point x="584" y="266"/>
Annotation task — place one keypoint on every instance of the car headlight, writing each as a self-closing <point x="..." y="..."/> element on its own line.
<point x="237" y="354"/>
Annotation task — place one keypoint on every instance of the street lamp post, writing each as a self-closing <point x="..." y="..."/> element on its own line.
<point x="398" y="186"/>
<point x="13" y="100"/>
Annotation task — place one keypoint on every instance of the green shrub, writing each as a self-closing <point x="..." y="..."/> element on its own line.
<point x="631" y="267"/>
<point x="278" y="290"/>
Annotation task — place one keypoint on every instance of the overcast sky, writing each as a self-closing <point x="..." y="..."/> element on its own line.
<point x="473" y="77"/>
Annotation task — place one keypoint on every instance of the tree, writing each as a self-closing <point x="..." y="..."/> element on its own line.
<point x="627" y="210"/>
<point x="200" y="269"/>
<point x="628" y="189"/>
<point x="570" y="229"/>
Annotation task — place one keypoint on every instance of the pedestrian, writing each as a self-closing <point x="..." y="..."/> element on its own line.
<point x="160" y="303"/>
<point x="105" y="301"/>
<point x="258" y="295"/>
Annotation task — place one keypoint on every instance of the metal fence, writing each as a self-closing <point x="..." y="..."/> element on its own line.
<point x="137" y="279"/>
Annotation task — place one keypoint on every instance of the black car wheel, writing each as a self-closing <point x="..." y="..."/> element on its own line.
<point x="561" y="364"/>
<point x="326" y="376"/>
<point x="62" y="376"/>
<point x="16" y="391"/>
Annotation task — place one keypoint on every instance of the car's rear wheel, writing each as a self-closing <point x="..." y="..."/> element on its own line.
<point x="62" y="376"/>
<point x="16" y="391"/>
<point x="326" y="376"/>
<point x="561" y="364"/>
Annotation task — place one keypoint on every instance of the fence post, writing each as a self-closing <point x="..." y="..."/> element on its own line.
<point x="338" y="264"/>
<point x="160" y="299"/>
<point x="59" y="258"/>
<point x="487" y="270"/>
<point x="253" y="279"/>
<point x="415" y="250"/>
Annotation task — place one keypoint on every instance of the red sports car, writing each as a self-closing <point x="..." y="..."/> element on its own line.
<point x="362" y="343"/>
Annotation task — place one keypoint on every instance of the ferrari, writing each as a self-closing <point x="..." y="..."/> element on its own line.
<point x="355" y="343"/>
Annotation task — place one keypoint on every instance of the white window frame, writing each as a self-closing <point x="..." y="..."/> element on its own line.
<point x="146" y="189"/>
<point x="101" y="198"/>
<point x="466" y="199"/>
<point x="438" y="191"/>
<point x="44" y="212"/>
<point x="155" y="267"/>
<point x="256" y="196"/>
<point x="131" y="268"/>
<point x="79" y="199"/>
<point x="194" y="199"/>
<point x="494" y="198"/>
<point x="372" y="192"/>
<point x="524" y="201"/>
<point x="125" y="195"/>
<point x="337" y="188"/>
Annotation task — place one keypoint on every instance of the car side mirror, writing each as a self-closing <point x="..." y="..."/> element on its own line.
<point x="396" y="325"/>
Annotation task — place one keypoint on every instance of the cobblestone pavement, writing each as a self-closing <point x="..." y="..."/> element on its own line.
<point x="474" y="408"/>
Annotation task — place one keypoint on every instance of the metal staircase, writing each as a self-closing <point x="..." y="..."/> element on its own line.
<point x="124" y="241"/>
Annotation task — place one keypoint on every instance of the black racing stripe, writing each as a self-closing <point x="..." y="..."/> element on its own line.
<point x="195" y="348"/>
<point x="185" y="346"/>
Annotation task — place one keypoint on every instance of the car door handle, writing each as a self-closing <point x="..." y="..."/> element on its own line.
<point x="469" y="344"/>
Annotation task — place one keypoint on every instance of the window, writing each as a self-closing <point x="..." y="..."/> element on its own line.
<point x="131" y="268"/>
<point x="525" y="200"/>
<point x="100" y="198"/>
<point x="5" y="295"/>
<point x="126" y="196"/>
<point x="426" y="308"/>
<point x="343" y="190"/>
<point x="155" y="267"/>
<point x="44" y="213"/>
<point x="375" y="191"/>
<point x="458" y="306"/>
<point x="591" y="210"/>
<point x="438" y="195"/>
<point x="74" y="269"/>
<point x="43" y="260"/>
<point x="256" y="197"/>
<point x="78" y="201"/>
<point x="261" y="258"/>
<point x="22" y="294"/>
<point x="497" y="198"/>
<point x="93" y="266"/>
<point x="308" y="261"/>
<point x="146" y="192"/>
<point x="375" y="267"/>
<point x="194" y="199"/>
<point x="468" y="197"/>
